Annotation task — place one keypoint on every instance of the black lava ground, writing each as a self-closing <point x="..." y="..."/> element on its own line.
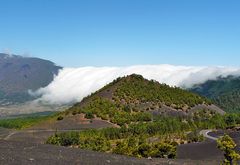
<point x="24" y="153"/>
<point x="26" y="147"/>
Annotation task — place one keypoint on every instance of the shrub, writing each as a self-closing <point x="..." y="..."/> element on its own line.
<point x="227" y="145"/>
<point x="89" y="115"/>
<point x="74" y="112"/>
<point x="59" y="118"/>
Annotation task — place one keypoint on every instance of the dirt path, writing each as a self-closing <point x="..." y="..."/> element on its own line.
<point x="14" y="133"/>
<point x="205" y="134"/>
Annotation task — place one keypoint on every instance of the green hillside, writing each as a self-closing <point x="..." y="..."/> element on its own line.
<point x="132" y="98"/>
<point x="224" y="92"/>
<point x="135" y="88"/>
<point x="130" y="103"/>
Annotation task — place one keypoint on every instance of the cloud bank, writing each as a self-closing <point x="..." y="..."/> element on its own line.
<point x="73" y="84"/>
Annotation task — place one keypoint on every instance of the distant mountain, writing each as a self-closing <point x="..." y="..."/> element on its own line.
<point x="225" y="92"/>
<point x="19" y="74"/>
<point x="125" y="98"/>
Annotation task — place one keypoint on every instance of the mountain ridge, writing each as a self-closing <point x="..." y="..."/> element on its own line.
<point x="19" y="74"/>
<point x="224" y="92"/>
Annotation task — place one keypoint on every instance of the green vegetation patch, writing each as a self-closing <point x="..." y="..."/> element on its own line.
<point x="141" y="134"/>
<point x="225" y="92"/>
<point x="158" y="138"/>
<point x="112" y="111"/>
<point x="24" y="122"/>
<point x="227" y="145"/>
<point x="135" y="88"/>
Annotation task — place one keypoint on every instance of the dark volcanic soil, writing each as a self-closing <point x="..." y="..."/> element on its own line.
<point x="76" y="122"/>
<point x="27" y="147"/>
<point x="42" y="131"/>
<point x="233" y="133"/>
<point x="199" y="151"/>
<point x="13" y="152"/>
<point x="24" y="153"/>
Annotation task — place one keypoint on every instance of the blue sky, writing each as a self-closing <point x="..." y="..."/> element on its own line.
<point x="123" y="32"/>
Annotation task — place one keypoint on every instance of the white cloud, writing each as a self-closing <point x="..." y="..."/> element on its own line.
<point x="73" y="84"/>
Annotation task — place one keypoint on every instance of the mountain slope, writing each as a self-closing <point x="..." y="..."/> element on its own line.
<point x="225" y="92"/>
<point x="148" y="119"/>
<point x="133" y="98"/>
<point x="19" y="74"/>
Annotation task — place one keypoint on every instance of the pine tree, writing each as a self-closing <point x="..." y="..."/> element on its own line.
<point x="227" y="145"/>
